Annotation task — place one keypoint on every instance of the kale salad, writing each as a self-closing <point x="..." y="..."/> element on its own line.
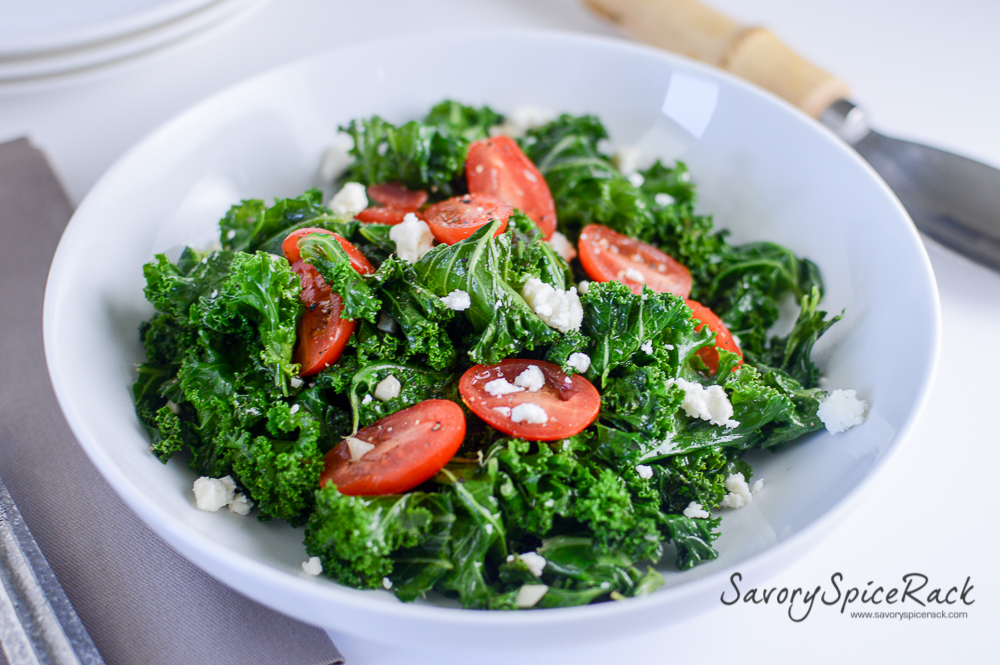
<point x="495" y="366"/>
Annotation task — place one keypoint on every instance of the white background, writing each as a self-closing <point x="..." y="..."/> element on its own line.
<point x="923" y="69"/>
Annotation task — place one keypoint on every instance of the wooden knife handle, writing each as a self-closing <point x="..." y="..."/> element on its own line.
<point x="755" y="54"/>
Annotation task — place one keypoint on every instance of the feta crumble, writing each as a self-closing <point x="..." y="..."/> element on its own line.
<point x="457" y="300"/>
<point x="502" y="410"/>
<point x="413" y="238"/>
<point x="357" y="447"/>
<point x="645" y="472"/>
<point x="636" y="179"/>
<point x="647" y="347"/>
<point x="337" y="158"/>
<point x="531" y="379"/>
<point x="350" y="200"/>
<point x="387" y="388"/>
<point x="579" y="361"/>
<point x="582" y="287"/>
<point x="739" y="492"/>
<point x="529" y="595"/>
<point x="663" y="199"/>
<point x="842" y="410"/>
<point x="558" y="309"/>
<point x="367" y="399"/>
<point x="627" y="159"/>
<point x="386" y="583"/>
<point x="386" y="323"/>
<point x="635" y="276"/>
<point x="711" y="404"/>
<point x="534" y="561"/>
<point x="695" y="510"/>
<point x="529" y="413"/>
<point x="757" y="486"/>
<point x="500" y="387"/>
<point x="210" y="494"/>
<point x="313" y="566"/>
<point x="295" y="382"/>
<point x="240" y="504"/>
<point x="563" y="246"/>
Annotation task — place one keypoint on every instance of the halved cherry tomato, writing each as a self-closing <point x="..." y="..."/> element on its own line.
<point x="410" y="446"/>
<point x="395" y="199"/>
<point x="497" y="166"/>
<point x="723" y="338"/>
<point x="570" y="403"/>
<point x="459" y="217"/>
<point x="607" y="256"/>
<point x="322" y="334"/>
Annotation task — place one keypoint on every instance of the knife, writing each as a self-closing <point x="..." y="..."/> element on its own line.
<point x="951" y="199"/>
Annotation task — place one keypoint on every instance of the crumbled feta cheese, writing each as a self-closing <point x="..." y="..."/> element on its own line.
<point x="502" y="410"/>
<point x="645" y="472"/>
<point x="240" y="504"/>
<point x="350" y="200"/>
<point x="529" y="413"/>
<point x="489" y="529"/>
<point x="668" y="347"/>
<point x="757" y="486"/>
<point x="549" y="503"/>
<point x="739" y="492"/>
<point x="174" y="408"/>
<point x="521" y="119"/>
<point x="295" y="409"/>
<point x="386" y="323"/>
<point x="230" y="234"/>
<point x="636" y="179"/>
<point x="627" y="159"/>
<point x="582" y="287"/>
<point x="694" y="510"/>
<point x="295" y="382"/>
<point x="558" y="309"/>
<point x="413" y="238"/>
<point x="635" y="276"/>
<point x="563" y="247"/>
<point x="531" y="379"/>
<point x="313" y="566"/>
<point x="529" y="595"/>
<point x="457" y="300"/>
<point x="367" y="399"/>
<point x="711" y="404"/>
<point x="647" y="347"/>
<point x="501" y="386"/>
<point x="386" y="583"/>
<point x="663" y="199"/>
<point x="579" y="361"/>
<point x="842" y="410"/>
<point x="357" y="447"/>
<point x="534" y="561"/>
<point x="387" y="388"/>
<point x="210" y="494"/>
<point x="338" y="157"/>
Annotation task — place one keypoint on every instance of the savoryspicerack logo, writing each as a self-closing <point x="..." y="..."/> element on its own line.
<point x="913" y="596"/>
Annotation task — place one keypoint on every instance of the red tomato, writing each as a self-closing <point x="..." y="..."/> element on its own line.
<point x="410" y="447"/>
<point x="322" y="334"/>
<point x="497" y="166"/>
<point x="395" y="199"/>
<point x="459" y="217"/>
<point x="570" y="403"/>
<point x="723" y="338"/>
<point x="607" y="255"/>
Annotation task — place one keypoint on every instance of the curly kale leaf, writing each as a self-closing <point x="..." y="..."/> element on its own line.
<point x="333" y="263"/>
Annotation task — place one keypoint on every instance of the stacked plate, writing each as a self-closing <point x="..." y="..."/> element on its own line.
<point x="46" y="38"/>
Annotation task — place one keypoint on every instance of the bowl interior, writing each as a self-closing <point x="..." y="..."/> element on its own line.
<point x="763" y="170"/>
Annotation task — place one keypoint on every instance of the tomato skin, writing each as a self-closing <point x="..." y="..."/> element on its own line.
<point x="723" y="338"/>
<point x="607" y="255"/>
<point x="395" y="199"/>
<point x="497" y="166"/>
<point x="459" y="217"/>
<point x="571" y="407"/>
<point x="290" y="248"/>
<point x="408" y="450"/>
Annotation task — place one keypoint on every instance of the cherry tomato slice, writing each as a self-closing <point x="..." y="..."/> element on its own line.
<point x="410" y="447"/>
<point x="459" y="217"/>
<point x="290" y="248"/>
<point x="607" y="256"/>
<point x="570" y="403"/>
<point x="497" y="166"/>
<point x="723" y="338"/>
<point x="395" y="199"/>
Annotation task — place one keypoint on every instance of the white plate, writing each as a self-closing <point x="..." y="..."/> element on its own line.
<point x="765" y="170"/>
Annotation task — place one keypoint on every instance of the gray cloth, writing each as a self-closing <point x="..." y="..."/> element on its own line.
<point x="140" y="600"/>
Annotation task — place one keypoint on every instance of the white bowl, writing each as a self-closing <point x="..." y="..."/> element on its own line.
<point x="763" y="169"/>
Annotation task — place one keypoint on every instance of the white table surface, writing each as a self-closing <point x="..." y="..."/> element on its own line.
<point x="923" y="69"/>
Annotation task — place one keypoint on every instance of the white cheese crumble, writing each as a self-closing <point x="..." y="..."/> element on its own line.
<point x="663" y="199"/>
<point x="500" y="387"/>
<point x="350" y="200"/>
<point x="295" y="382"/>
<point x="695" y="510"/>
<point x="174" y="408"/>
<point x="210" y="494"/>
<point x="757" y="486"/>
<point x="295" y="409"/>
<point x="457" y="300"/>
<point x="558" y="309"/>
<point x="413" y="238"/>
<point x="313" y="566"/>
<point x="842" y="410"/>
<point x="635" y="276"/>
<point x="529" y="413"/>
<point x="387" y="388"/>
<point x="579" y="361"/>
<point x="338" y="157"/>
<point x="711" y="404"/>
<point x="531" y="379"/>
<point x="530" y="594"/>
<point x="534" y="561"/>
<point x="582" y="287"/>
<point x="386" y="583"/>
<point x="502" y="410"/>
<point x="627" y="159"/>
<point x="386" y="323"/>
<point x="647" y="347"/>
<point x="636" y="179"/>
<point x="645" y="472"/>
<point x="739" y="492"/>
<point x="563" y="246"/>
<point x="357" y="447"/>
<point x="367" y="399"/>
<point x="521" y="119"/>
<point x="240" y="504"/>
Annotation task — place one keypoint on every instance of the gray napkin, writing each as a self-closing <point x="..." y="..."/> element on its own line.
<point x="140" y="600"/>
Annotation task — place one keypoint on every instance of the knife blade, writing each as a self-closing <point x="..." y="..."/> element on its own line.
<point x="951" y="199"/>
